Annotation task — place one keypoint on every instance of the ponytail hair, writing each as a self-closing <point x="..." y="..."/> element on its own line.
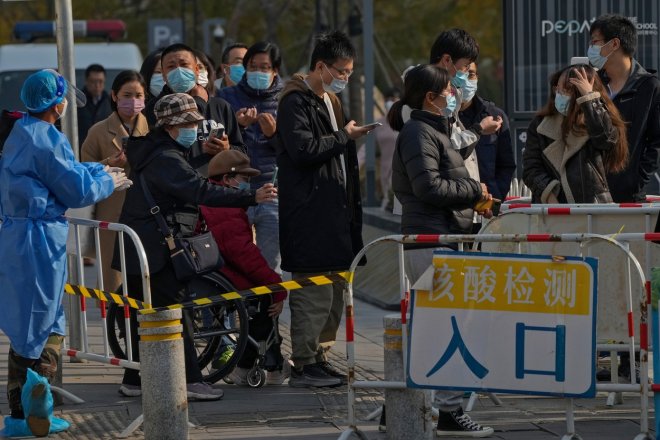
<point x="418" y="82"/>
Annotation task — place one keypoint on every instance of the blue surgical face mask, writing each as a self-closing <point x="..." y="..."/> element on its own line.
<point x="187" y="137"/>
<point x="451" y="106"/>
<point x="336" y="85"/>
<point x="469" y="90"/>
<point x="595" y="58"/>
<point x="236" y="72"/>
<point x="157" y="83"/>
<point x="561" y="103"/>
<point x="243" y="186"/>
<point x="181" y="79"/>
<point x="259" y="80"/>
<point x="459" y="79"/>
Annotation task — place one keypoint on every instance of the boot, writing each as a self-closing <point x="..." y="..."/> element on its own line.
<point x="16" y="374"/>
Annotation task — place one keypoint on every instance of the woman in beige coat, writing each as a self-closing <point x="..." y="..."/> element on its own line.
<point x="105" y="144"/>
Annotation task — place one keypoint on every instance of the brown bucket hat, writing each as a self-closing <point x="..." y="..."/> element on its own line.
<point x="175" y="109"/>
<point x="231" y="161"/>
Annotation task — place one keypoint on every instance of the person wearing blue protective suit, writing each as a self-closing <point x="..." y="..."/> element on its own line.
<point x="39" y="180"/>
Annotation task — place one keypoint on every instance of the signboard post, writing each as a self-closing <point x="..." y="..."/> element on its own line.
<point x="505" y="323"/>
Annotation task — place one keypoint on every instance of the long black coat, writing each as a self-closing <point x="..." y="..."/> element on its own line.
<point x="639" y="105"/>
<point x="320" y="207"/>
<point x="430" y="179"/>
<point x="173" y="183"/>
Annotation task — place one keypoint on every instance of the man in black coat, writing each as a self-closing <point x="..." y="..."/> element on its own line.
<point x="636" y="94"/>
<point x="98" y="106"/>
<point x="320" y="207"/>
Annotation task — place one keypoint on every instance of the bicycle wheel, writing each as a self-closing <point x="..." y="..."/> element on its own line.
<point x="220" y="331"/>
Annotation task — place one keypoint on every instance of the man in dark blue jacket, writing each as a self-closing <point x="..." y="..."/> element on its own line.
<point x="494" y="151"/>
<point x="254" y="100"/>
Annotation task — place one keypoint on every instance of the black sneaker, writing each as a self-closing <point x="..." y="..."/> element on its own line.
<point x="332" y="371"/>
<point x="458" y="424"/>
<point x="382" y="425"/>
<point x="312" y="375"/>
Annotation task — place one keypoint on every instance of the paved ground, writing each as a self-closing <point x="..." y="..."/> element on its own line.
<point x="282" y="412"/>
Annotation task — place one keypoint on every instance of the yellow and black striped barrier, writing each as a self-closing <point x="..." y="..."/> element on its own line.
<point x="146" y="309"/>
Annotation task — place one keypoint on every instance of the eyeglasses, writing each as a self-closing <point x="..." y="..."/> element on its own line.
<point x="346" y="73"/>
<point x="266" y="68"/>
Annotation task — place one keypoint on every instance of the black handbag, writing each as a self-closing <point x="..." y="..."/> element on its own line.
<point x="191" y="256"/>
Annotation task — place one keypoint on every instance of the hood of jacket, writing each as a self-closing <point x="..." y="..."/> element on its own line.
<point x="297" y="84"/>
<point x="141" y="150"/>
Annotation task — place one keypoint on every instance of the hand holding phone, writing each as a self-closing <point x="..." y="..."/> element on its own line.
<point x="217" y="132"/>
<point x="372" y="125"/>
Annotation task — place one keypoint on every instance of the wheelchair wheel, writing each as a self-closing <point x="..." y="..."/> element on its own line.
<point x="256" y="377"/>
<point x="220" y="331"/>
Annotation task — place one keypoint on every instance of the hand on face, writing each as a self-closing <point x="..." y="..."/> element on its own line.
<point x="582" y="82"/>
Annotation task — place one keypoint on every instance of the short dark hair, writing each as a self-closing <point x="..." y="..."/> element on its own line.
<point x="617" y="26"/>
<point x="123" y="77"/>
<point x="418" y="82"/>
<point x="457" y="43"/>
<point x="264" y="47"/>
<point x="177" y="47"/>
<point x="148" y="66"/>
<point x="225" y="53"/>
<point x="94" y="68"/>
<point x="332" y="47"/>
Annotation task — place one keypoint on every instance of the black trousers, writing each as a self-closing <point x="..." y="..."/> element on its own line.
<point x="259" y="329"/>
<point x="165" y="290"/>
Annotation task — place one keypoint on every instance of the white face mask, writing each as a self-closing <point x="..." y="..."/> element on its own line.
<point x="203" y="78"/>
<point x="66" y="105"/>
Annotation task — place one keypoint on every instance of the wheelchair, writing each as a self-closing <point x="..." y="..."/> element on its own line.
<point x="220" y="330"/>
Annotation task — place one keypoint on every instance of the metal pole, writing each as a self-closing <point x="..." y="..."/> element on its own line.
<point x="368" y="56"/>
<point x="67" y="67"/>
<point x="163" y="373"/>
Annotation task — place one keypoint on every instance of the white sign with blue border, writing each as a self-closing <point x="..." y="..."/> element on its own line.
<point x="506" y="323"/>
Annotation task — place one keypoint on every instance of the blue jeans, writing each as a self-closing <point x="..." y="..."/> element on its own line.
<point x="265" y="218"/>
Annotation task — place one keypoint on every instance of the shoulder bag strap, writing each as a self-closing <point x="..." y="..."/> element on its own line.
<point x="154" y="210"/>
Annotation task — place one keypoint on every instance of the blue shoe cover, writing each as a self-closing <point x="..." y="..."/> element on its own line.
<point x="19" y="428"/>
<point x="37" y="402"/>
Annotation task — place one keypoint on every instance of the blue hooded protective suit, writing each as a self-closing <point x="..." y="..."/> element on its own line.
<point x="39" y="180"/>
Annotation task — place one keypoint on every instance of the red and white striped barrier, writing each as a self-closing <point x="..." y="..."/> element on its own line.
<point x="643" y="388"/>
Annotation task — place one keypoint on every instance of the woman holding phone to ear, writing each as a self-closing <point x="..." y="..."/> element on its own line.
<point x="574" y="141"/>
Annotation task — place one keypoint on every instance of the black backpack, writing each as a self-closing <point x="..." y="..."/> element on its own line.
<point x="7" y="121"/>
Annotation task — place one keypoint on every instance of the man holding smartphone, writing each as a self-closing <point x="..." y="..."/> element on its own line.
<point x="320" y="204"/>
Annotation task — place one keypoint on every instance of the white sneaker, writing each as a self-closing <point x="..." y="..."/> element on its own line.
<point x="239" y="376"/>
<point x="278" y="377"/>
<point x="130" y="390"/>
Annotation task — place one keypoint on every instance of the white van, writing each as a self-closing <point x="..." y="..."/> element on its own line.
<point x="17" y="61"/>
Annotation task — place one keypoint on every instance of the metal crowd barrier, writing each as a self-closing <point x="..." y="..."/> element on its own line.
<point x="600" y="219"/>
<point x="585" y="240"/>
<point x="78" y="330"/>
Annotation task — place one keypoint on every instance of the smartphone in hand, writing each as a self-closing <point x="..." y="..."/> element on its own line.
<point x="217" y="132"/>
<point x="274" y="180"/>
<point x="372" y="125"/>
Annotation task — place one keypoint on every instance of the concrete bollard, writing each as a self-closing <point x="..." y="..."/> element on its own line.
<point x="408" y="410"/>
<point x="163" y="374"/>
